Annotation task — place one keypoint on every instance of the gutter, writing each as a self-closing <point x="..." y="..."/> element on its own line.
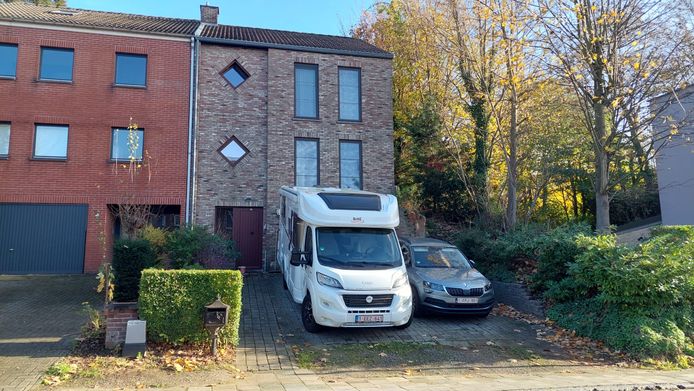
<point x="263" y="45"/>
<point x="192" y="115"/>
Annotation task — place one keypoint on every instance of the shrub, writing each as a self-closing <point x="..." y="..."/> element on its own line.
<point x="172" y="302"/>
<point x="195" y="244"/>
<point x="555" y="251"/>
<point x="157" y="238"/>
<point x="130" y="257"/>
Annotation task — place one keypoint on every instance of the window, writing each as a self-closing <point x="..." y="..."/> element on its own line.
<point x="126" y="144"/>
<point x="233" y="150"/>
<point x="131" y="69"/>
<point x="4" y="139"/>
<point x="56" y="64"/>
<point x="350" y="165"/>
<point x="235" y="74"/>
<point x="349" y="80"/>
<point x="8" y="60"/>
<point x="50" y="142"/>
<point x="306" y="162"/>
<point x="306" y="91"/>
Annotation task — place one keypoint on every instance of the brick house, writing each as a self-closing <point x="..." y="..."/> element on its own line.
<point x="284" y="108"/>
<point x="70" y="80"/>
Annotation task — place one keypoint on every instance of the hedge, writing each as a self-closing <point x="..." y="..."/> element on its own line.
<point x="172" y="302"/>
<point x="130" y="257"/>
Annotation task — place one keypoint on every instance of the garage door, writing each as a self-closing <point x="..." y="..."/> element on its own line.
<point x="42" y="239"/>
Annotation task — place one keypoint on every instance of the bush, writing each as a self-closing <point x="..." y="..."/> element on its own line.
<point x="194" y="244"/>
<point x="157" y="238"/>
<point x="172" y="302"/>
<point x="555" y="251"/>
<point x="130" y="257"/>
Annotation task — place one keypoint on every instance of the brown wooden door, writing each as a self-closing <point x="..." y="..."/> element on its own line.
<point x="248" y="236"/>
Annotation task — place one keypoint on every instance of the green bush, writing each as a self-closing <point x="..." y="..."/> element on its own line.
<point x="194" y="244"/>
<point x="130" y="257"/>
<point x="172" y="302"/>
<point x="555" y="251"/>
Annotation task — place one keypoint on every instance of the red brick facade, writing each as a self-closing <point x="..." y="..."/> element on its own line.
<point x="91" y="106"/>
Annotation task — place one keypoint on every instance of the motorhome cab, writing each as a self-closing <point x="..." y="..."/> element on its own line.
<point x="340" y="258"/>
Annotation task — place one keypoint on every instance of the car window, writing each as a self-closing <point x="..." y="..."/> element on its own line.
<point x="439" y="257"/>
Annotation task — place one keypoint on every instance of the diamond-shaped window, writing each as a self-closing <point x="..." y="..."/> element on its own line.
<point x="235" y="74"/>
<point x="233" y="150"/>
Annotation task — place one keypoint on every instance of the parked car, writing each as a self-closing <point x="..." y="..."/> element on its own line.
<point x="444" y="280"/>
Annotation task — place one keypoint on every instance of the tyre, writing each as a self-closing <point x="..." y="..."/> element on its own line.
<point x="307" y="316"/>
<point x="418" y="309"/>
<point x="284" y="283"/>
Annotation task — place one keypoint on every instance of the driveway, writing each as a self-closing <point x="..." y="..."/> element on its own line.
<point x="271" y="331"/>
<point x="39" y="318"/>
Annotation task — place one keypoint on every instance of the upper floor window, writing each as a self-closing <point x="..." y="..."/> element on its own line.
<point x="126" y="144"/>
<point x="235" y="74"/>
<point x="8" y="60"/>
<point x="50" y="142"/>
<point x="350" y="165"/>
<point x="4" y="139"/>
<point x="56" y="64"/>
<point x="306" y="162"/>
<point x="350" y="93"/>
<point x="131" y="69"/>
<point x="306" y="90"/>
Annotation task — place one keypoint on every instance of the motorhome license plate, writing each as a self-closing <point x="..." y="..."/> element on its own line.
<point x="467" y="300"/>
<point x="368" y="318"/>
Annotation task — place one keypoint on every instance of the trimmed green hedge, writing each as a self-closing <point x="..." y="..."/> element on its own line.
<point x="172" y="302"/>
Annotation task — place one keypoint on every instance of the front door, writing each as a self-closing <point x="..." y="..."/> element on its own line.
<point x="247" y="233"/>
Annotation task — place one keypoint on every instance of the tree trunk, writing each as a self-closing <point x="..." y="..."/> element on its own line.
<point x="512" y="166"/>
<point x="481" y="162"/>
<point x="602" y="174"/>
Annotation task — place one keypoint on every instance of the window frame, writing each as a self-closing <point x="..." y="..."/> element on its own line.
<point x="115" y="70"/>
<point x="5" y="156"/>
<point x="116" y="160"/>
<point x="240" y="144"/>
<point x="16" y="61"/>
<point x="361" y="161"/>
<point x="339" y="111"/>
<point x="41" y="63"/>
<point x="228" y="67"/>
<point x="317" y="141"/>
<point x="51" y="158"/>
<point x="303" y="65"/>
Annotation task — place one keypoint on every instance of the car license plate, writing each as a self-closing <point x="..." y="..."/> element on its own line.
<point x="368" y="318"/>
<point x="467" y="300"/>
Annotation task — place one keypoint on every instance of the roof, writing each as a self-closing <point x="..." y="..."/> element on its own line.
<point x="257" y="37"/>
<point x="311" y="206"/>
<point x="426" y="242"/>
<point x="23" y="12"/>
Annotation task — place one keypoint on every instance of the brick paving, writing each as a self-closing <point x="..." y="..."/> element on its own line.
<point x="271" y="325"/>
<point x="39" y="318"/>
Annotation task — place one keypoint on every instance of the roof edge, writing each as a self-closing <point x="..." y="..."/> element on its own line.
<point x="264" y="45"/>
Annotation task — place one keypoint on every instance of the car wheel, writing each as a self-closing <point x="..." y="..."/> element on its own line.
<point x="417" y="309"/>
<point x="284" y="283"/>
<point x="307" y="316"/>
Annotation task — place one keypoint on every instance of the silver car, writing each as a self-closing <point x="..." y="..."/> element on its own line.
<point x="444" y="280"/>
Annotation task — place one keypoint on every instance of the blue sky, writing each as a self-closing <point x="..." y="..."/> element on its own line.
<point x="315" y="16"/>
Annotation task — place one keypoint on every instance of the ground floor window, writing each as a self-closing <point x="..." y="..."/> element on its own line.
<point x="306" y="162"/>
<point x="129" y="218"/>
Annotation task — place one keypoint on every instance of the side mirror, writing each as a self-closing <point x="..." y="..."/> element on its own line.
<point x="472" y="263"/>
<point x="300" y="258"/>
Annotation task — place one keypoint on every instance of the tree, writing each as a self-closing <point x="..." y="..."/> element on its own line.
<point x="612" y="53"/>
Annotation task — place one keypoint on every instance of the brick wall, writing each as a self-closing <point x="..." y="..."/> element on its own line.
<point x="117" y="316"/>
<point x="91" y="106"/>
<point x="261" y="114"/>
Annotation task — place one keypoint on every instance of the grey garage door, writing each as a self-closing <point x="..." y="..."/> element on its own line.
<point x="42" y="239"/>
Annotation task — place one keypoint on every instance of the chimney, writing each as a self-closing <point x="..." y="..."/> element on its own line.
<point x="208" y="14"/>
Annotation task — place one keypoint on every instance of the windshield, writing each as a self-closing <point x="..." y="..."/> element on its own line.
<point x="439" y="257"/>
<point x="351" y="248"/>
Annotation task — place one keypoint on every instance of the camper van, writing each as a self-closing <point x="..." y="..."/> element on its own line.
<point x="341" y="260"/>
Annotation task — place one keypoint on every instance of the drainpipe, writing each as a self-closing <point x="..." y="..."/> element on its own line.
<point x="192" y="114"/>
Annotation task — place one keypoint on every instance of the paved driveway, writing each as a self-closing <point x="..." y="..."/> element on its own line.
<point x="39" y="318"/>
<point x="271" y="325"/>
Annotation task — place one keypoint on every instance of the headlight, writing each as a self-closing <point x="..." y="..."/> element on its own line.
<point x="328" y="281"/>
<point x="488" y="286"/>
<point x="432" y="286"/>
<point x="400" y="280"/>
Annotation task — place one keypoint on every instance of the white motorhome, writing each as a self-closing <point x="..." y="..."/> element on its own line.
<point x="340" y="258"/>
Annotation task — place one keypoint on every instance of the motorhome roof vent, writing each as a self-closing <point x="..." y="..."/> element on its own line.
<point x="346" y="201"/>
